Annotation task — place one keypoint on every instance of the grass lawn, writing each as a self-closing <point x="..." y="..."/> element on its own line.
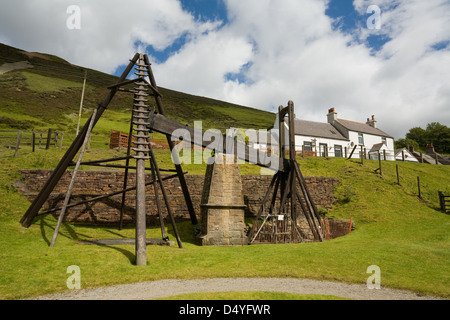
<point x="406" y="237"/>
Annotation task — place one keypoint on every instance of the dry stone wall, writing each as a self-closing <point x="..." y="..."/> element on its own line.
<point x="94" y="183"/>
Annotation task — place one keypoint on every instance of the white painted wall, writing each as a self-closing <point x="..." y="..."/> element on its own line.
<point x="369" y="141"/>
<point x="299" y="142"/>
<point x="408" y="157"/>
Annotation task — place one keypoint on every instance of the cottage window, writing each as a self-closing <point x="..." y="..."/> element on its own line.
<point x="337" y="151"/>
<point x="307" y="146"/>
<point x="360" y="139"/>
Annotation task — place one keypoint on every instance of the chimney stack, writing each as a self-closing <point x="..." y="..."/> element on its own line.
<point x="372" y="122"/>
<point x="332" y="116"/>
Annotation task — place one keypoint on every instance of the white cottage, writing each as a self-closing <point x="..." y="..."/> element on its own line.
<point x="339" y="137"/>
<point x="404" y="154"/>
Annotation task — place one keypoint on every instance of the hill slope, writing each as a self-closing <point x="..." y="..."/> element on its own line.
<point x="46" y="91"/>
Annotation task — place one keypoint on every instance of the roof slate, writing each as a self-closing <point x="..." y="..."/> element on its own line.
<point x="317" y="129"/>
<point x="362" y="127"/>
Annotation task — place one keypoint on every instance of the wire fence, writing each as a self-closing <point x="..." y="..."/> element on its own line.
<point x="15" y="143"/>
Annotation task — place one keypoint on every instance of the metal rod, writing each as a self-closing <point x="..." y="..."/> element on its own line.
<point x="72" y="181"/>
<point x="81" y="102"/>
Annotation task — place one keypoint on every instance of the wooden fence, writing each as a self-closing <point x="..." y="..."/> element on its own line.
<point x="444" y="201"/>
<point x="14" y="143"/>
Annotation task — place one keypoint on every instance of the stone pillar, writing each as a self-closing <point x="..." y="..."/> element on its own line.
<point x="222" y="206"/>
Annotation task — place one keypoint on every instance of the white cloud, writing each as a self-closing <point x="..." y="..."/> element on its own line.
<point x="286" y="50"/>
<point x="297" y="55"/>
<point x="109" y="28"/>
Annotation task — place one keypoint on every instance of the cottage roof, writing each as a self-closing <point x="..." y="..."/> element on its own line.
<point x="362" y="127"/>
<point x="377" y="147"/>
<point x="317" y="129"/>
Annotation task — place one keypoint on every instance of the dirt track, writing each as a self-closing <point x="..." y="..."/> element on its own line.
<point x="165" y="288"/>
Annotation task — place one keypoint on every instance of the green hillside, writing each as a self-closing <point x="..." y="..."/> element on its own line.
<point x="48" y="95"/>
<point x="407" y="237"/>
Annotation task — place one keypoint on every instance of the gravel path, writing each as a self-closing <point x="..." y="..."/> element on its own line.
<point x="164" y="288"/>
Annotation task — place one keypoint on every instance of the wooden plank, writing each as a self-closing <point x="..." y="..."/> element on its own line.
<point x="168" y="126"/>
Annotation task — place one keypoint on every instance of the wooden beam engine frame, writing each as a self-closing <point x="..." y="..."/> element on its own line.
<point x="270" y="225"/>
<point x="145" y="120"/>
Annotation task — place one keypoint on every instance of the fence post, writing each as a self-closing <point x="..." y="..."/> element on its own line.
<point x="49" y="137"/>
<point x="56" y="138"/>
<point x="362" y="155"/>
<point x="19" y="136"/>
<point x="418" y="187"/>
<point x="441" y="200"/>
<point x="398" y="176"/>
<point x="61" y="140"/>
<point x="379" y="163"/>
<point x="33" y="142"/>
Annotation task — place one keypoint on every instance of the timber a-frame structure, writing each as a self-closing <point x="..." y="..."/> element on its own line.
<point x="145" y="119"/>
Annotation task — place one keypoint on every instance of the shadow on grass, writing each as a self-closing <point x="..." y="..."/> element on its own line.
<point x="71" y="231"/>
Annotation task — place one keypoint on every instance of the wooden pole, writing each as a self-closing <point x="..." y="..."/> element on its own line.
<point x="69" y="155"/>
<point x="127" y="163"/>
<point x="72" y="182"/>
<point x="398" y="176"/>
<point x="379" y="163"/>
<point x="33" y="141"/>
<point x="351" y="153"/>
<point x="61" y="140"/>
<point x="418" y="187"/>
<point x="49" y="137"/>
<point x="19" y="137"/>
<point x="362" y="155"/>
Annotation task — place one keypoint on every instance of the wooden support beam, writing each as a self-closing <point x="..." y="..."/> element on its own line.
<point x="72" y="181"/>
<point x="178" y="167"/>
<point x="102" y="196"/>
<point x="43" y="195"/>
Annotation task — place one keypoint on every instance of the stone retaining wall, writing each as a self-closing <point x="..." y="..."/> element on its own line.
<point x="94" y="183"/>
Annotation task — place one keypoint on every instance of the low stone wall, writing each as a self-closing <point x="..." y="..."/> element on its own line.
<point x="94" y="183"/>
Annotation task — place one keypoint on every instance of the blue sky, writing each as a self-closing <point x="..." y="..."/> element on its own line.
<point x="262" y="53"/>
<point x="347" y="20"/>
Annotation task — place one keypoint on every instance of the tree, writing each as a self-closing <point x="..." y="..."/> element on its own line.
<point x="406" y="143"/>
<point x="419" y="135"/>
<point x="435" y="133"/>
<point x="439" y="136"/>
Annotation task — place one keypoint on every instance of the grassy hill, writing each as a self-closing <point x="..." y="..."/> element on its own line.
<point x="407" y="237"/>
<point x="49" y="92"/>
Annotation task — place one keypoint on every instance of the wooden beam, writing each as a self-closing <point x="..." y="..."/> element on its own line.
<point x="45" y="192"/>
